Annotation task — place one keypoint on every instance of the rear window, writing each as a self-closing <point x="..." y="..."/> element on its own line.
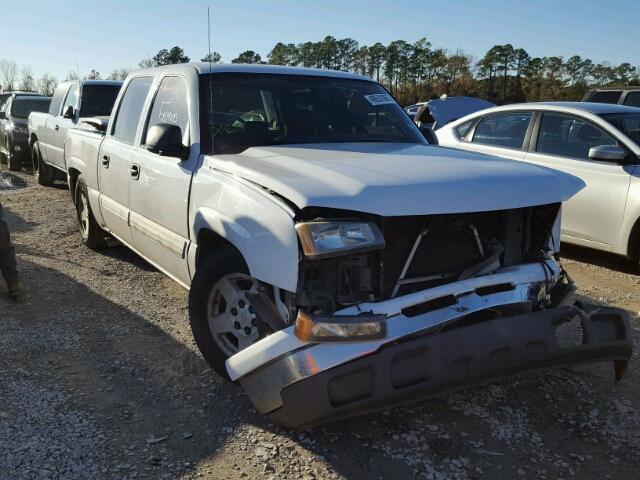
<point x="21" y="108"/>
<point x="606" y="96"/>
<point x="98" y="100"/>
<point x="633" y="99"/>
<point x="462" y="129"/>
<point x="505" y="130"/>
<point x="130" y="109"/>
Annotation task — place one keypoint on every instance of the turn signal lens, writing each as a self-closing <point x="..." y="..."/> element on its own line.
<point x="319" y="328"/>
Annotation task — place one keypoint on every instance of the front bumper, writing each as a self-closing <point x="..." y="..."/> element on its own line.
<point x="297" y="383"/>
<point x="419" y="367"/>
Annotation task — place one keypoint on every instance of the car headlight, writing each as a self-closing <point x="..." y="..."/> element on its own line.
<point x="330" y="238"/>
<point x="20" y="129"/>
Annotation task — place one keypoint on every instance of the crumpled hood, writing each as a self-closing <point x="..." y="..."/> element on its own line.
<point x="393" y="179"/>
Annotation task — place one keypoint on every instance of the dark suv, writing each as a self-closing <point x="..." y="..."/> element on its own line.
<point x="622" y="95"/>
<point x="14" y="137"/>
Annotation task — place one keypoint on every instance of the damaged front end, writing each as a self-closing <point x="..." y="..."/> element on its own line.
<point x="414" y="306"/>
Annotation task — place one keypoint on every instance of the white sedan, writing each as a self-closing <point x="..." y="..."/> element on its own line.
<point x="600" y="143"/>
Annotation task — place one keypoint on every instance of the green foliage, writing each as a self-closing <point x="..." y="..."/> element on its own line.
<point x="213" y="57"/>
<point x="417" y="71"/>
<point x="169" y="57"/>
<point x="248" y="56"/>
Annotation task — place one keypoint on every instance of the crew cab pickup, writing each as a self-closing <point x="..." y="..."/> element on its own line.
<point x="336" y="262"/>
<point x="48" y="130"/>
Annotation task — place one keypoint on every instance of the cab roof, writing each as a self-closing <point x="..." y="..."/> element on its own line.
<point x="203" y="68"/>
<point x="589" y="107"/>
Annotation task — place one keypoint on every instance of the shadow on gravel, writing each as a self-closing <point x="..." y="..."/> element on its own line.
<point x="120" y="252"/>
<point x="601" y="259"/>
<point x="134" y="380"/>
<point x="137" y="396"/>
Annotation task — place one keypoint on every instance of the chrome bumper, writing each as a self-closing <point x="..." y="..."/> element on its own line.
<point x="423" y="366"/>
<point x="298" y="383"/>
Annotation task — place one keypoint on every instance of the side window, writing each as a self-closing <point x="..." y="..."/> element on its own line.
<point x="170" y="106"/>
<point x="462" y="129"/>
<point x="605" y="96"/>
<point x="567" y="136"/>
<point x="130" y="109"/>
<point x="633" y="99"/>
<point x="505" y="130"/>
<point x="58" y="97"/>
<point x="72" y="98"/>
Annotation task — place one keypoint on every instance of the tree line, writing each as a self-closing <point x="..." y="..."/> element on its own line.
<point x="411" y="71"/>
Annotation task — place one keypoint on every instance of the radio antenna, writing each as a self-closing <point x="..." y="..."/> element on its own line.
<point x="210" y="115"/>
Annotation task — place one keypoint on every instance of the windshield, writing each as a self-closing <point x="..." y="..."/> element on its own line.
<point x="628" y="123"/>
<point x="263" y="109"/>
<point x="22" y="107"/>
<point x="98" y="100"/>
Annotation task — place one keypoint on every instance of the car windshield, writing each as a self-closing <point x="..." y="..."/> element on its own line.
<point x="628" y="123"/>
<point x="22" y="107"/>
<point x="264" y="109"/>
<point x="98" y="100"/>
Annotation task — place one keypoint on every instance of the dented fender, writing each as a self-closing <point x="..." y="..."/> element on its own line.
<point x="258" y="224"/>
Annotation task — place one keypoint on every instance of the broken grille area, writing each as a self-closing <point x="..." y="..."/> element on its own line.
<point x="422" y="252"/>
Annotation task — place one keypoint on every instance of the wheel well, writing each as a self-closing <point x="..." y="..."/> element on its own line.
<point x="73" y="178"/>
<point x="209" y="242"/>
<point x="633" y="247"/>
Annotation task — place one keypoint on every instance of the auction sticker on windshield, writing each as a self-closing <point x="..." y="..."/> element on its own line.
<point x="380" y="99"/>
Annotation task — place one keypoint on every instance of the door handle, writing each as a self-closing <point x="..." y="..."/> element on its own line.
<point x="105" y="161"/>
<point x="134" y="170"/>
<point x="57" y="128"/>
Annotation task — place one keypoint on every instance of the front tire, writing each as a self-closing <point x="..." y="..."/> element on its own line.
<point x="221" y="317"/>
<point x="92" y="235"/>
<point x="45" y="175"/>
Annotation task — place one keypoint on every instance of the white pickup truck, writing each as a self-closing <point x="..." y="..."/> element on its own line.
<point x="336" y="263"/>
<point x="48" y="130"/>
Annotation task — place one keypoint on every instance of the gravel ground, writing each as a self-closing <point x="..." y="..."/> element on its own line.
<point x="100" y="378"/>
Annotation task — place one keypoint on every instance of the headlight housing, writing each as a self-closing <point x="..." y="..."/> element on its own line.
<point x="18" y="129"/>
<point x="327" y="238"/>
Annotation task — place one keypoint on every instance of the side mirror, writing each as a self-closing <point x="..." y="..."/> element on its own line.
<point x="608" y="153"/>
<point x="166" y="140"/>
<point x="3" y="115"/>
<point x="429" y="135"/>
<point x="69" y="112"/>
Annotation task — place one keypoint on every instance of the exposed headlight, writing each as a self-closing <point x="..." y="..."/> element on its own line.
<point x="319" y="328"/>
<point x="329" y="238"/>
<point x="20" y="129"/>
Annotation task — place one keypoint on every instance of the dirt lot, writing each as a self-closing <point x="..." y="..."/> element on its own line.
<point x="100" y="378"/>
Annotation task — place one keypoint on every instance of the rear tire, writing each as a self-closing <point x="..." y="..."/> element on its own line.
<point x="14" y="162"/>
<point x="92" y="235"/>
<point x="45" y="175"/>
<point x="221" y="318"/>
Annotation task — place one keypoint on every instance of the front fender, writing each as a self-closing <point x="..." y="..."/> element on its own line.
<point x="251" y="219"/>
<point x="631" y="215"/>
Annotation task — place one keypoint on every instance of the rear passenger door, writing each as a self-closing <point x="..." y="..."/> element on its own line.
<point x="594" y="215"/>
<point x="160" y="196"/>
<point x="115" y="159"/>
<point x="501" y="134"/>
<point x="57" y="127"/>
<point x="47" y="135"/>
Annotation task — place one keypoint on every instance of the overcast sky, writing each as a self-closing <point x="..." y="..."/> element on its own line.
<point x="56" y="36"/>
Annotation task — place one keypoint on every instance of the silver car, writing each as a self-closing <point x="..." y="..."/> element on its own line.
<point x="600" y="143"/>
